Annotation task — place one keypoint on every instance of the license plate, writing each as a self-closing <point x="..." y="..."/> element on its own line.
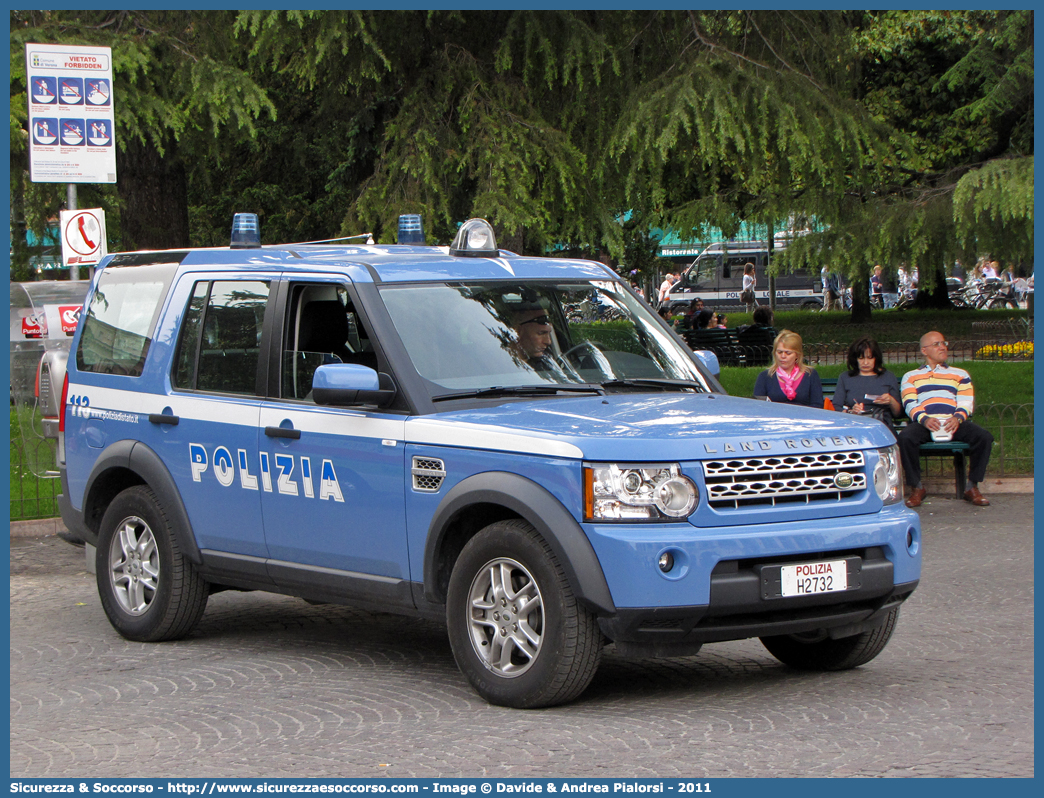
<point x="810" y="578"/>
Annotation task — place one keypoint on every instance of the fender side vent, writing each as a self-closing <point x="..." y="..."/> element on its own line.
<point x="428" y="474"/>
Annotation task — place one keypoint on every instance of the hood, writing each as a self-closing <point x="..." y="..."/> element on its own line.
<point x="644" y="427"/>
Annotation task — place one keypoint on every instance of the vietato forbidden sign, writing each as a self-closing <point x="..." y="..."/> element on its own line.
<point x="83" y="237"/>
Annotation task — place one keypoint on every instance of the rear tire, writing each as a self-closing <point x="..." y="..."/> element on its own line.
<point x="518" y="633"/>
<point x="148" y="588"/>
<point x="814" y="652"/>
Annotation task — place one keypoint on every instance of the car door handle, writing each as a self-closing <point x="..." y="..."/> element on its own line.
<point x="282" y="432"/>
<point x="163" y="418"/>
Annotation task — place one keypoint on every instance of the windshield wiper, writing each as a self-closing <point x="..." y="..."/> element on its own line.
<point x="652" y="382"/>
<point x="522" y="390"/>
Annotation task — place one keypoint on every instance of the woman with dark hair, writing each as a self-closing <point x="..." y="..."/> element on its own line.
<point x="688" y="321"/>
<point x="703" y="319"/>
<point x="788" y="379"/>
<point x="867" y="383"/>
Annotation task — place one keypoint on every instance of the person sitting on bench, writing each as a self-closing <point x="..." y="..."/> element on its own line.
<point x="788" y="379"/>
<point x="939" y="400"/>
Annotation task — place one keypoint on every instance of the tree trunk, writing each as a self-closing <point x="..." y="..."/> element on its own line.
<point x="861" y="296"/>
<point x="938" y="297"/>
<point x="153" y="193"/>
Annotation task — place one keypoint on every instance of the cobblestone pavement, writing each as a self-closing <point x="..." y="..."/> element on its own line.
<point x="271" y="686"/>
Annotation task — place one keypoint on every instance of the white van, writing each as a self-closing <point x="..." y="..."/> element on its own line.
<point x="716" y="277"/>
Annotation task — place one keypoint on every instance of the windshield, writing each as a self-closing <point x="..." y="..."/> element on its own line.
<point x="702" y="272"/>
<point x="468" y="337"/>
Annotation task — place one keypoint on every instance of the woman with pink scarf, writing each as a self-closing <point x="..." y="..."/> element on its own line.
<point x="788" y="379"/>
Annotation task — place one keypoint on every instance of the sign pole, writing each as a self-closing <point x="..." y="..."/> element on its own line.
<point x="70" y="204"/>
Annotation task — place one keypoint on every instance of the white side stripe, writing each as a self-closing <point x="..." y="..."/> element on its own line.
<point x="481" y="436"/>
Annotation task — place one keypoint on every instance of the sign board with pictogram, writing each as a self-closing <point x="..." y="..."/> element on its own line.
<point x="71" y="116"/>
<point x="51" y="322"/>
<point x="83" y="237"/>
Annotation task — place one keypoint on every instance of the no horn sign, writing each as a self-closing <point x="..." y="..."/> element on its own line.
<point x="83" y="237"/>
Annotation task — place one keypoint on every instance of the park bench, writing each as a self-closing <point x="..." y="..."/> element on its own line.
<point x="955" y="449"/>
<point x="723" y="343"/>
<point x="756" y="343"/>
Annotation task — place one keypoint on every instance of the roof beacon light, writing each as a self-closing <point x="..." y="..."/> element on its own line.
<point x="475" y="239"/>
<point x="411" y="229"/>
<point x="246" y="233"/>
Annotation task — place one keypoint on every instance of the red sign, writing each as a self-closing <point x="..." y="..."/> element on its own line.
<point x="70" y="315"/>
<point x="34" y="326"/>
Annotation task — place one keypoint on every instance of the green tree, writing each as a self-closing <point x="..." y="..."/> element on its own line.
<point x="959" y="87"/>
<point x="859" y="127"/>
<point x="478" y="114"/>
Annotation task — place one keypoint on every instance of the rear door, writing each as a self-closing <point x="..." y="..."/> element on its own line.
<point x="207" y="434"/>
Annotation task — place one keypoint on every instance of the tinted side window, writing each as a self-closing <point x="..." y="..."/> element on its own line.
<point x="118" y="327"/>
<point x="219" y="348"/>
<point x="322" y="326"/>
<point x="734" y="266"/>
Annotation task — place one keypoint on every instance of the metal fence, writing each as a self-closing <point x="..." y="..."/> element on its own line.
<point x="1012" y="428"/>
<point x="984" y="348"/>
<point x="31" y="497"/>
<point x="1011" y="425"/>
<point x="1012" y="456"/>
<point x="834" y="352"/>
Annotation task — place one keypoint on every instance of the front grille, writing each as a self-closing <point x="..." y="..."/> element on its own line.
<point x="789" y="479"/>
<point x="428" y="473"/>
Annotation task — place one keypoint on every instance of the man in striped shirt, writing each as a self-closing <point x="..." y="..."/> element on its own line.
<point x="939" y="399"/>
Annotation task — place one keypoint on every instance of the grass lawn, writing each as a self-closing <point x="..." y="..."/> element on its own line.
<point x="996" y="382"/>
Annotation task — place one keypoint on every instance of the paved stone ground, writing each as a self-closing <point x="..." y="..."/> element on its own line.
<point x="271" y="686"/>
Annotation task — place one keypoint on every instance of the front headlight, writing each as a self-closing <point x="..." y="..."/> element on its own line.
<point x="637" y="493"/>
<point x="888" y="475"/>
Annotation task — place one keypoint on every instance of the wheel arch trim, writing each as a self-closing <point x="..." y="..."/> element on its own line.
<point x="537" y="506"/>
<point x="139" y="459"/>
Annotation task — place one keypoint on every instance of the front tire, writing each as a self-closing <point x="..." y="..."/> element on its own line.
<point x="148" y="588"/>
<point x="518" y="633"/>
<point x="819" y="653"/>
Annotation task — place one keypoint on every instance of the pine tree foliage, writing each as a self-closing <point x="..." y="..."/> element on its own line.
<point x="993" y="209"/>
<point x="481" y="113"/>
<point x="956" y="88"/>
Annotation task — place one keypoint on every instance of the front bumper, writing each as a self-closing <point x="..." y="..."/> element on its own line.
<point x="680" y="631"/>
<point x="725" y="581"/>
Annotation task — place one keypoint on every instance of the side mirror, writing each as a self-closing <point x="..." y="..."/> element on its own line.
<point x="346" y="384"/>
<point x="710" y="360"/>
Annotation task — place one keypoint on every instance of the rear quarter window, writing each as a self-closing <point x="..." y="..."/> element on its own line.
<point x="121" y="318"/>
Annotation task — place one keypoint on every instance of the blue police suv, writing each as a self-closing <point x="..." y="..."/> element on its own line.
<point x="516" y="445"/>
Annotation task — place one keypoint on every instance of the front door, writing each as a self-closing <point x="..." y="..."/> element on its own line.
<point x="332" y="479"/>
